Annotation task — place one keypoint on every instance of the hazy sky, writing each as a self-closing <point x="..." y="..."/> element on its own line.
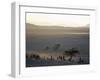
<point x="57" y="20"/>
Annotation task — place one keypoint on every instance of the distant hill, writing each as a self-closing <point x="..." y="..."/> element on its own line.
<point x="38" y="26"/>
<point x="32" y="29"/>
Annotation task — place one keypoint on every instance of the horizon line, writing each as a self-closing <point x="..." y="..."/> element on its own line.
<point x="86" y="26"/>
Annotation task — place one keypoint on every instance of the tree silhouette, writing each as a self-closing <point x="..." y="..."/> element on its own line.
<point x="71" y="53"/>
<point x="47" y="48"/>
<point x="34" y="56"/>
<point x="56" y="47"/>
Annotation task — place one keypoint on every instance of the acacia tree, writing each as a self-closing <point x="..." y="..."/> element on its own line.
<point x="56" y="46"/>
<point x="47" y="48"/>
<point x="71" y="53"/>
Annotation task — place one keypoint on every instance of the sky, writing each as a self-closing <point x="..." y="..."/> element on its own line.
<point x="57" y="20"/>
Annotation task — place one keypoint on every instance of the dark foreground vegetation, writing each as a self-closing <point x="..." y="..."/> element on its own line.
<point x="34" y="60"/>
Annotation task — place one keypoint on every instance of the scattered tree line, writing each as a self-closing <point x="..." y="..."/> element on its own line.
<point x="71" y="53"/>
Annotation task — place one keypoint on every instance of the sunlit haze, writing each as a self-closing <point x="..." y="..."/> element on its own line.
<point x="57" y="20"/>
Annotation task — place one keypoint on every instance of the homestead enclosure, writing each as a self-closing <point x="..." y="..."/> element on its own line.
<point x="52" y="36"/>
